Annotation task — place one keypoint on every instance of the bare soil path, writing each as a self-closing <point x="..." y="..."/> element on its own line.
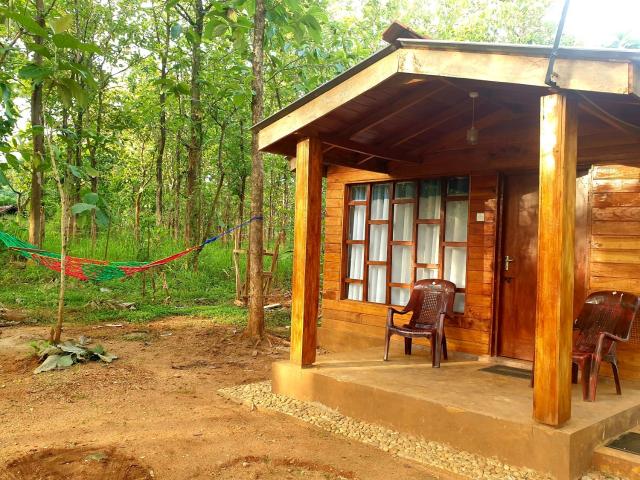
<point x="155" y="413"/>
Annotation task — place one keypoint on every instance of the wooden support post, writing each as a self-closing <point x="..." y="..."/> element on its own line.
<point x="556" y="231"/>
<point x="306" y="251"/>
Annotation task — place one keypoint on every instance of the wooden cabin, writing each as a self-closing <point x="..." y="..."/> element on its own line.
<point x="457" y="161"/>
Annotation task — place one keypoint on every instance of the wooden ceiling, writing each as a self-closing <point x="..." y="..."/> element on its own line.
<point x="407" y="119"/>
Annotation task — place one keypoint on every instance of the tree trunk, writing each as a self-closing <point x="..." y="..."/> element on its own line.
<point x="162" y="140"/>
<point x="94" y="164"/>
<point x="56" y="332"/>
<point x="255" y="327"/>
<point x="192" y="220"/>
<point x="35" y="220"/>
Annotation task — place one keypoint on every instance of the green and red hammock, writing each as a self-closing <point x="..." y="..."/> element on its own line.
<point x="99" y="270"/>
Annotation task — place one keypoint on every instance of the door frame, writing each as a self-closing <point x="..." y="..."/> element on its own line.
<point x="582" y="170"/>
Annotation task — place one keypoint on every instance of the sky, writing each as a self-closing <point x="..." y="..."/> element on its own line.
<point x="595" y="23"/>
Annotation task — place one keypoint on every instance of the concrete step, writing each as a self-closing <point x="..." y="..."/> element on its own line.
<point x="617" y="462"/>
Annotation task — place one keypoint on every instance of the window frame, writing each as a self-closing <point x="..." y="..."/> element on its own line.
<point x="413" y="243"/>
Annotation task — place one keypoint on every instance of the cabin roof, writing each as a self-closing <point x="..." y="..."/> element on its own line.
<point x="418" y="80"/>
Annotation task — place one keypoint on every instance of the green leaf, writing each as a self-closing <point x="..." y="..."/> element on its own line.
<point x="65" y="95"/>
<point x="3" y="180"/>
<point x="91" y="198"/>
<point x="65" y="361"/>
<point x="101" y="218"/>
<point x="61" y="24"/>
<point x="49" y="364"/>
<point x="34" y="72"/>
<point x="76" y="91"/>
<point x="38" y="48"/>
<point x="26" y="22"/>
<point x="66" y="40"/>
<point x="79" y="208"/>
<point x="176" y="30"/>
<point x="76" y="171"/>
<point x="92" y="172"/>
<point x="71" y="348"/>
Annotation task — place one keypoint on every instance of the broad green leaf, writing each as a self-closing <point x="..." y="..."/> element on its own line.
<point x="65" y="95"/>
<point x="92" y="172"/>
<point x="26" y="22"/>
<point x="107" y="357"/>
<point x="49" y="364"/>
<point x="65" y="361"/>
<point x="76" y="171"/>
<point x="91" y="198"/>
<point x="76" y="91"/>
<point x="101" y="218"/>
<point x="38" y="48"/>
<point x="34" y="72"/>
<point x="71" y="348"/>
<point x="176" y="30"/>
<point x="61" y="24"/>
<point x="79" y="208"/>
<point x="3" y="180"/>
<point x="66" y="40"/>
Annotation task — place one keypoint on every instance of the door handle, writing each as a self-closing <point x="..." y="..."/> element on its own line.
<point x="507" y="261"/>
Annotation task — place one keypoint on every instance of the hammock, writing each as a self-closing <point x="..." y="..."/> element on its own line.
<point x="99" y="270"/>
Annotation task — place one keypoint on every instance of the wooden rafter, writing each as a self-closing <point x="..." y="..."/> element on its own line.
<point x="391" y="110"/>
<point x="369" y="150"/>
<point x="493" y="118"/>
<point x="440" y="119"/>
<point x="588" y="106"/>
<point x="371" y="166"/>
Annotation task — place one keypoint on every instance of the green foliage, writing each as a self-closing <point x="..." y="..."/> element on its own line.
<point x="64" y="355"/>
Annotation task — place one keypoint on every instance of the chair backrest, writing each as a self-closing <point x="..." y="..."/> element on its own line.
<point x="611" y="312"/>
<point x="429" y="299"/>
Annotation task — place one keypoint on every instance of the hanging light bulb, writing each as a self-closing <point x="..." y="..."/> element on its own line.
<point x="472" y="133"/>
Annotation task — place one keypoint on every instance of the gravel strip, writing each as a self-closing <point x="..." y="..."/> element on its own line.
<point x="433" y="454"/>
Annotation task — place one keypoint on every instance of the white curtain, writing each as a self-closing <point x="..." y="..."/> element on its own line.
<point x="378" y="242"/>
<point x="457" y="217"/>
<point x="401" y="264"/>
<point x="380" y="201"/>
<point x="403" y="222"/>
<point x="429" y="206"/>
<point x="428" y="243"/>
<point x="354" y="291"/>
<point x="455" y="265"/>
<point x="426" y="273"/>
<point x="399" y="296"/>
<point x="377" y="284"/>
<point x="357" y="218"/>
<point x="357" y="221"/>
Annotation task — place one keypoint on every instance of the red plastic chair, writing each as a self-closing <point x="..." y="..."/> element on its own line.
<point x="605" y="319"/>
<point x="431" y="301"/>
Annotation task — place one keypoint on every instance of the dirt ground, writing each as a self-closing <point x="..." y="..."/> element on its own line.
<point x="155" y="413"/>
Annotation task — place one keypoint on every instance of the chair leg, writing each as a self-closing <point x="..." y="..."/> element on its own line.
<point x="444" y="347"/>
<point x="585" y="374"/>
<point x="407" y="345"/>
<point x="593" y="378"/>
<point x="616" y="376"/>
<point x="574" y="373"/>
<point x="436" y="350"/>
<point x="387" y="340"/>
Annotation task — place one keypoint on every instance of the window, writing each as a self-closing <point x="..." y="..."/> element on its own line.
<point x="401" y="232"/>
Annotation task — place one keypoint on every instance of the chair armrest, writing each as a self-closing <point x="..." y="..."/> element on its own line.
<point x="614" y="337"/>
<point x="390" y="312"/>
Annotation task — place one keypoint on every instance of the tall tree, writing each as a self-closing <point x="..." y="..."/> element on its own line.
<point x="36" y="225"/>
<point x="255" y="327"/>
<point x="165" y="40"/>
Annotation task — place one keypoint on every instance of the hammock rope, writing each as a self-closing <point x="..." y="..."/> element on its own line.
<point x="100" y="270"/>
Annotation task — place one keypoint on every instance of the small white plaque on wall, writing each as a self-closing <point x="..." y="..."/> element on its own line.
<point x="480" y="217"/>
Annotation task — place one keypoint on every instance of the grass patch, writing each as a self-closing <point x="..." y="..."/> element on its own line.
<point x="206" y="292"/>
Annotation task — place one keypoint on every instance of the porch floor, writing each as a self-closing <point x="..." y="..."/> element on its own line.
<point x="477" y="411"/>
